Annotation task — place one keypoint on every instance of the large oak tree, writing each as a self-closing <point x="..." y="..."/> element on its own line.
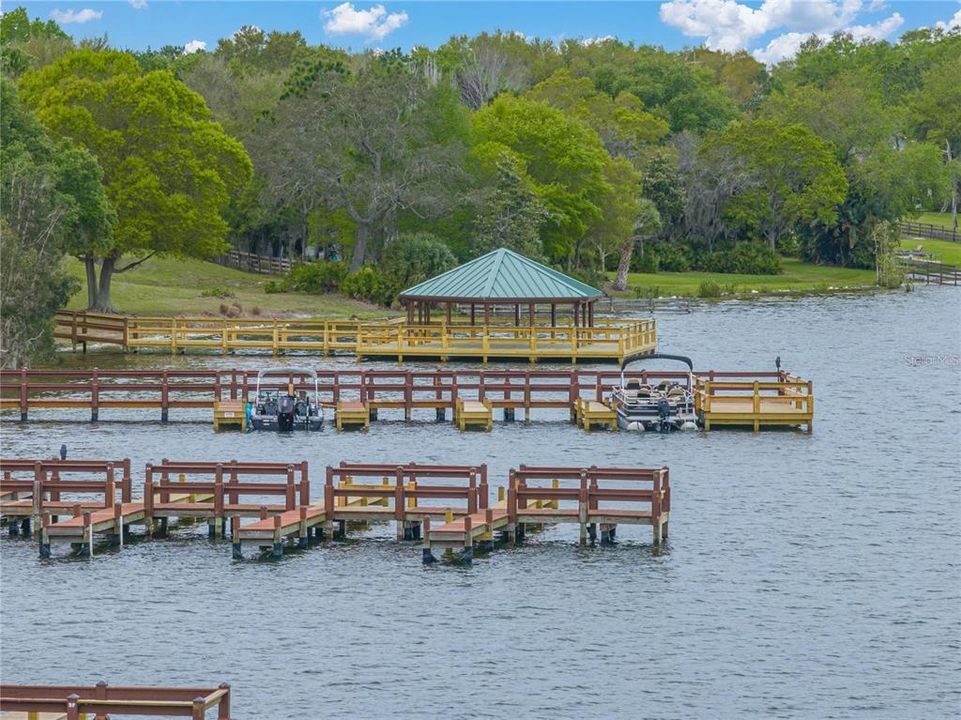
<point x="169" y="170"/>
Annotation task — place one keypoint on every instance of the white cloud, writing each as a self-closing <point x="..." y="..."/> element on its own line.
<point x="954" y="22"/>
<point x="730" y="25"/>
<point x="375" y="23"/>
<point x="787" y="45"/>
<point x="138" y="4"/>
<point x="75" y="17"/>
<point x="597" y="40"/>
<point x="194" y="46"/>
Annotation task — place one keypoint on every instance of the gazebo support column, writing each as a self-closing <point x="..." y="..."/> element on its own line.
<point x="410" y="313"/>
<point x="531" y="308"/>
<point x="472" y="320"/>
<point x="517" y="314"/>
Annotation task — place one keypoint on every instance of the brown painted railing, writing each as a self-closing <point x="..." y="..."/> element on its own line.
<point x="402" y="389"/>
<point x="81" y="701"/>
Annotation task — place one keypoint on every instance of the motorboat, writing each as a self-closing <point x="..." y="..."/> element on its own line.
<point x="664" y="406"/>
<point x="286" y="409"/>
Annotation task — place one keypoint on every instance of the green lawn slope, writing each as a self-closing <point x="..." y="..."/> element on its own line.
<point x="175" y="287"/>
<point x="797" y="277"/>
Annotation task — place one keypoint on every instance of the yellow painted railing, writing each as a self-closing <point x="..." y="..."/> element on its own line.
<point x="785" y="401"/>
<point x="606" y="339"/>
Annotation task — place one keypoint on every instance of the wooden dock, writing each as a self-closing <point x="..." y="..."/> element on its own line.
<point x="784" y="401"/>
<point x="454" y="498"/>
<point x="79" y="702"/>
<point x="583" y="496"/>
<point x="605" y="340"/>
<point x="758" y="400"/>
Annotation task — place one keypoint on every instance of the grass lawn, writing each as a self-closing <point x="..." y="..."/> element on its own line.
<point x="174" y="287"/>
<point x="933" y="218"/>
<point x="797" y="277"/>
<point x="947" y="251"/>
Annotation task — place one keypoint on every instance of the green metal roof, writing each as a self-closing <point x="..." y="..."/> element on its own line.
<point x="502" y="275"/>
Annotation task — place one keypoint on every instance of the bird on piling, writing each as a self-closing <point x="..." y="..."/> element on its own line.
<point x="63" y="451"/>
<point x="777" y="363"/>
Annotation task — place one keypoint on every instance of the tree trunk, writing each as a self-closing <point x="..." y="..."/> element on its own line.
<point x="624" y="265"/>
<point x="360" y="247"/>
<point x="103" y="303"/>
<point x="90" y="265"/>
<point x="772" y="239"/>
<point x="954" y="191"/>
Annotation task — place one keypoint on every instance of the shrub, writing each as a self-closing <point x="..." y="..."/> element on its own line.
<point x="672" y="258"/>
<point x="709" y="289"/>
<point x="272" y="287"/>
<point x="746" y="258"/>
<point x="317" y="277"/>
<point x="217" y="292"/>
<point x="370" y="284"/>
<point x="413" y="258"/>
<point x="649" y="262"/>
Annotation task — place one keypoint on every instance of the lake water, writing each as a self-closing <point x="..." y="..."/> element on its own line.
<point x="805" y="576"/>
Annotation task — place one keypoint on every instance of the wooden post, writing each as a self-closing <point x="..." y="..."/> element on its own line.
<point x="94" y="397"/>
<point x="24" y="403"/>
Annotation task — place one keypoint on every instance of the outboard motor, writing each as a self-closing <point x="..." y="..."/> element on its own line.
<point x="285" y="413"/>
<point x="663" y="415"/>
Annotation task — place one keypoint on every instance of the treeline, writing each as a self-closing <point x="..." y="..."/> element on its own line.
<point x="593" y="156"/>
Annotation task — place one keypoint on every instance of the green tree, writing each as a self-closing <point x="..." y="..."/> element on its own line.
<point x="413" y="258"/>
<point x="510" y="216"/>
<point x="937" y="117"/>
<point x="168" y="168"/>
<point x="376" y="145"/>
<point x="49" y="193"/>
<point x="799" y="181"/>
<point x="26" y="43"/>
<point x="647" y="222"/>
<point x="562" y="160"/>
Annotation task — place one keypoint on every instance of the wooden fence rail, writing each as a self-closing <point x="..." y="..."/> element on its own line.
<point x="928" y="231"/>
<point x="250" y="262"/>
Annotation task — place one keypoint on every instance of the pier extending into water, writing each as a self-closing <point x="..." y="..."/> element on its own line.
<point x="454" y="500"/>
<point x="751" y="399"/>
<point x="80" y="702"/>
<point x="603" y="340"/>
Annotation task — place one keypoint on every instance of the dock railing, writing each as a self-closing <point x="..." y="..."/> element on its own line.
<point x="766" y="399"/>
<point x="408" y="390"/>
<point x="169" y="493"/>
<point x="393" y="337"/>
<point x="411" y="491"/>
<point x="74" y="702"/>
<point x="585" y="495"/>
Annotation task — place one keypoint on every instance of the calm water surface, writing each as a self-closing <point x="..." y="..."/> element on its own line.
<point x="806" y="576"/>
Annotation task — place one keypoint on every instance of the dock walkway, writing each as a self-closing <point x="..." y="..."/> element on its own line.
<point x="605" y="340"/>
<point x="752" y="399"/>
<point x="447" y="507"/>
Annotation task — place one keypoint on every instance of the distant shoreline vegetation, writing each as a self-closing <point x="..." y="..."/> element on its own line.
<point x="607" y="160"/>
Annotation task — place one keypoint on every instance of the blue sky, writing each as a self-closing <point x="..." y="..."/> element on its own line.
<point x="771" y="29"/>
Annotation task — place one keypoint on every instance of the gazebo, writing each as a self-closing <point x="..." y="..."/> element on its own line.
<point x="502" y="278"/>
